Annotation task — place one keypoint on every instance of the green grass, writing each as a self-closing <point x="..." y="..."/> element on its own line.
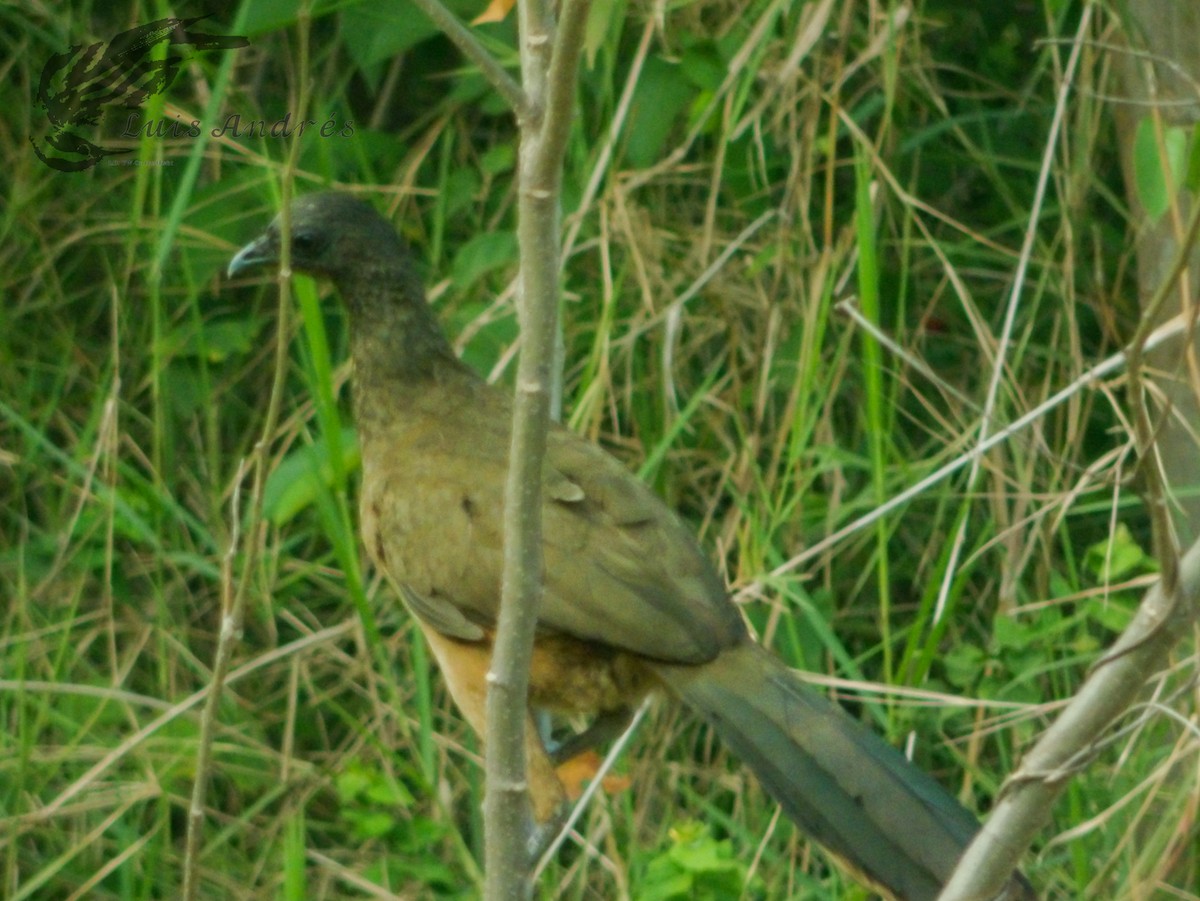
<point x="137" y="384"/>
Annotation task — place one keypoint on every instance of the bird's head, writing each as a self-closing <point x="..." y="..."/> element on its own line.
<point x="333" y="236"/>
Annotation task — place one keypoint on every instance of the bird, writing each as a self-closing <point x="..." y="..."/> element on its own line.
<point x="631" y="604"/>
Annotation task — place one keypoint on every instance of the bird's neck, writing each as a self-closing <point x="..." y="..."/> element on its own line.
<point x="396" y="343"/>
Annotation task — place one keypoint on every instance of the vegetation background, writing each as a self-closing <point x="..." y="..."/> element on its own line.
<point x="738" y="168"/>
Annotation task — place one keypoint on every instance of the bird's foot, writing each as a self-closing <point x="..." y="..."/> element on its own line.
<point x="544" y="836"/>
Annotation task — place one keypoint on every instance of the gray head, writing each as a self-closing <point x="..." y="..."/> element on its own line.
<point x="334" y="236"/>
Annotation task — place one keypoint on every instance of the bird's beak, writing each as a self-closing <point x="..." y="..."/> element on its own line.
<point x="257" y="253"/>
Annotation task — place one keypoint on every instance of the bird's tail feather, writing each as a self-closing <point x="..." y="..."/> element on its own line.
<point x="885" y="819"/>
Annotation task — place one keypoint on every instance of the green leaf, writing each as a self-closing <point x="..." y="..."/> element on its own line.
<point x="230" y="337"/>
<point x="374" y="32"/>
<point x="1118" y="557"/>
<point x="488" y="342"/>
<point x="482" y="254"/>
<point x="351" y="783"/>
<point x="1193" y="176"/>
<point x="662" y="94"/>
<point x="1154" y="187"/>
<point x="389" y="793"/>
<point x="1008" y="633"/>
<point x="1113" y="613"/>
<point x="368" y="824"/>
<point x="304" y="473"/>
<point x="664" y="882"/>
<point x="460" y="190"/>
<point x="274" y="15"/>
<point x="595" y="31"/>
<point x="697" y="867"/>
<point x="498" y="159"/>
<point x="702" y="65"/>
<point x="704" y="855"/>
<point x="215" y="340"/>
<point x="963" y="664"/>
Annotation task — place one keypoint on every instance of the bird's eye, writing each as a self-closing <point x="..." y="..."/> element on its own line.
<point x="305" y="244"/>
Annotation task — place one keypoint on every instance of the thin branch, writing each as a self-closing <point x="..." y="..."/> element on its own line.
<point x="549" y="62"/>
<point x="1162" y="619"/>
<point x="561" y="85"/>
<point x="475" y="51"/>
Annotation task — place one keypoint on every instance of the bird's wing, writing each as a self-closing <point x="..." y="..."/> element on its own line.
<point x="620" y="569"/>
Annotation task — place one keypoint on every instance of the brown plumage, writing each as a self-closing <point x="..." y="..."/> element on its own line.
<point x="630" y="601"/>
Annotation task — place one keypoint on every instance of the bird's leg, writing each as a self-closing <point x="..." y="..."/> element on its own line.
<point x="464" y="666"/>
<point x="547" y="795"/>
<point x="604" y="728"/>
<point x="544" y="835"/>
<point x="546" y="792"/>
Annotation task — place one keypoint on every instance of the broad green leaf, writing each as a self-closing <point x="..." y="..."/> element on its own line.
<point x="1153" y="185"/>
<point x="482" y="254"/>
<point x="303" y="474"/>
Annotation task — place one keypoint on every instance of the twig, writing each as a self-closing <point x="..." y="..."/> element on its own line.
<point x="549" y="62"/>
<point x="474" y="51"/>
<point x="1162" y="619"/>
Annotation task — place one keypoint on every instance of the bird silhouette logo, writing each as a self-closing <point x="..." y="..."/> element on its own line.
<point x="77" y="85"/>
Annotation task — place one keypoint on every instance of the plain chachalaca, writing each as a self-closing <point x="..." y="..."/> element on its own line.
<point x="630" y="603"/>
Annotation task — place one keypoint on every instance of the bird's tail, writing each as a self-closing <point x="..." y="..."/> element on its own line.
<point x="888" y="821"/>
